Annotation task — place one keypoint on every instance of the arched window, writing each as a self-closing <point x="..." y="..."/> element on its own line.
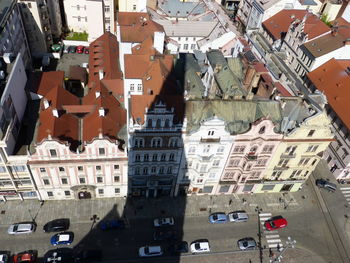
<point x="137" y="158"/>
<point x="158" y="123"/>
<point x="137" y="170"/>
<point x="171" y="157"/>
<point x="253" y="149"/>
<point x="173" y="142"/>
<point x="156" y="142"/>
<point x="167" y="123"/>
<point x="155" y="157"/>
<point x="146" y="158"/>
<point x="163" y="157"/>
<point x="145" y="170"/>
<point x="149" y="124"/>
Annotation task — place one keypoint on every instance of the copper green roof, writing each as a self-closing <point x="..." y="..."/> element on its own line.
<point x="237" y="114"/>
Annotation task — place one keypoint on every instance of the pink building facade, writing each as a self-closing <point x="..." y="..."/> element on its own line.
<point x="249" y="157"/>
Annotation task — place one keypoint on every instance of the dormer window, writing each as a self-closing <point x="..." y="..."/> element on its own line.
<point x="262" y="130"/>
<point x="211" y="133"/>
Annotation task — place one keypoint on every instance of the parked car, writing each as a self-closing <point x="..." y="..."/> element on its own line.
<point x="28" y="256"/>
<point x="65" y="255"/>
<point x="238" y="216"/>
<point x="218" y="218"/>
<point x="72" y="49"/>
<point x="80" y="49"/>
<point x="112" y="224"/>
<point x="321" y="183"/>
<point x="88" y="255"/>
<point x="160" y="235"/>
<point x="246" y="243"/>
<point x="179" y="247"/>
<point x="167" y="221"/>
<point x="150" y="251"/>
<point x="21" y="228"/>
<point x="63" y="238"/>
<point x="275" y="222"/>
<point x="66" y="49"/>
<point x="5" y="256"/>
<point x="87" y="50"/>
<point x="57" y="225"/>
<point x="200" y="246"/>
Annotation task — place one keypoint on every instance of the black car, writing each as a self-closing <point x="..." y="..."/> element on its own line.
<point x="88" y="255"/>
<point x="72" y="49"/>
<point x="179" y="247"/>
<point x="161" y="235"/>
<point x="57" y="225"/>
<point x="321" y="183"/>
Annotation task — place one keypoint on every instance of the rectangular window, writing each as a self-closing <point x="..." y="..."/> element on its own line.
<point x="100" y="191"/>
<point x="134" y="7"/>
<point x="239" y="149"/>
<point x="268" y="187"/>
<point x="49" y="194"/>
<point x="61" y="169"/>
<point x="2" y="169"/>
<point x="224" y="189"/>
<point x="64" y="180"/>
<point x="216" y="162"/>
<point x="193" y="46"/>
<point x="80" y="168"/>
<point x="116" y="167"/>
<point x="42" y="170"/>
<point x="207" y="189"/>
<point x="82" y="180"/>
<point x="98" y="167"/>
<point x="67" y="193"/>
<point x="117" y="190"/>
<point x="311" y="132"/>
<point x="132" y="87"/>
<point x="139" y="87"/>
<point x="107" y="9"/>
<point x="101" y="151"/>
<point x="53" y="153"/>
<point x="46" y="181"/>
<point x="185" y="46"/>
<point x="99" y="179"/>
<point x="116" y="179"/>
<point x="19" y="168"/>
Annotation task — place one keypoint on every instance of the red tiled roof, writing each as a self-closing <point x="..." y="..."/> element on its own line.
<point x="333" y="78"/>
<point x="64" y="127"/>
<point x="113" y="120"/>
<point x="284" y="92"/>
<point x="104" y="55"/>
<point x="135" y="27"/>
<point x="48" y="80"/>
<point x="280" y="23"/>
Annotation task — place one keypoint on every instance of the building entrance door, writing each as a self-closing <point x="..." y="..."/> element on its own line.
<point x="84" y="195"/>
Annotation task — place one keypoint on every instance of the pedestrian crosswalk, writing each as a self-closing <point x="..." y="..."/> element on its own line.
<point x="272" y="237"/>
<point x="346" y="193"/>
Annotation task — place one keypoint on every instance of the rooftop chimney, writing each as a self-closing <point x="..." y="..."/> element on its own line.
<point x="101" y="74"/>
<point x="101" y="112"/>
<point x="46" y="104"/>
<point x="55" y="112"/>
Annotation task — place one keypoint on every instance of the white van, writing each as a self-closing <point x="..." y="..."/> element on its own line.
<point x="150" y="251"/>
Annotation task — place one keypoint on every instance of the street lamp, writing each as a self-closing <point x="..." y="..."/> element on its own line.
<point x="289" y="244"/>
<point x="258" y="210"/>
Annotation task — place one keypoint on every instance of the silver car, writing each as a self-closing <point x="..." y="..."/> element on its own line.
<point x="246" y="243"/>
<point x="21" y="228"/>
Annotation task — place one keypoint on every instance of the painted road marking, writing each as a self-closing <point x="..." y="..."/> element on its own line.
<point x="274" y="241"/>
<point x="272" y="236"/>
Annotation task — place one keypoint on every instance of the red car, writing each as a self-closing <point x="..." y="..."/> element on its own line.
<point x="275" y="222"/>
<point x="80" y="49"/>
<point x="28" y="256"/>
<point x="86" y="51"/>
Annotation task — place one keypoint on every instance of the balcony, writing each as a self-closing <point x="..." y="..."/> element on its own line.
<point x="288" y="155"/>
<point x="210" y="140"/>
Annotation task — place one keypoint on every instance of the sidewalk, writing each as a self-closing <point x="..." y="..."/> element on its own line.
<point x="82" y="210"/>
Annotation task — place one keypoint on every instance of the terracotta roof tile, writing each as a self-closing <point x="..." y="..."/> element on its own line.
<point x="48" y="80"/>
<point x="135" y="27"/>
<point x="279" y="23"/>
<point x="333" y="79"/>
<point x="104" y="55"/>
